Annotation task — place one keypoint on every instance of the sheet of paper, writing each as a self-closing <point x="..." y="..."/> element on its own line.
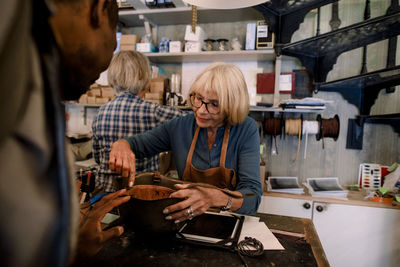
<point x="260" y="231"/>
<point x="285" y="82"/>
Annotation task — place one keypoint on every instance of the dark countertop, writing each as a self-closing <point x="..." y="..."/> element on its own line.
<point x="138" y="249"/>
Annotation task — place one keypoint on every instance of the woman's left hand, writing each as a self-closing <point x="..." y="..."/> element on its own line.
<point x="196" y="201"/>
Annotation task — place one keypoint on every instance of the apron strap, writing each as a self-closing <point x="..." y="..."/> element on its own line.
<point x="224" y="145"/>
<point x="191" y="150"/>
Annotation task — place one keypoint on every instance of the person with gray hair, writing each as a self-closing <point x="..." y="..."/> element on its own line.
<point x="126" y="115"/>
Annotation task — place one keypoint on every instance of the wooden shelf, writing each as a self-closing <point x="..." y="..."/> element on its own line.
<point x="74" y="103"/>
<point x="182" y="15"/>
<point x="269" y="109"/>
<point x="212" y="56"/>
<point x="286" y="110"/>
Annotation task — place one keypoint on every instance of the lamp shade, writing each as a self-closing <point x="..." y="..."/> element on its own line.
<point x="225" y="4"/>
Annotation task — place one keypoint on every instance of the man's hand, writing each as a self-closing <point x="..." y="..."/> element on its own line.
<point x="91" y="237"/>
<point x="123" y="160"/>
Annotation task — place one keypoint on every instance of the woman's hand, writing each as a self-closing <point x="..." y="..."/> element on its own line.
<point x="197" y="200"/>
<point x="91" y="236"/>
<point x="123" y="160"/>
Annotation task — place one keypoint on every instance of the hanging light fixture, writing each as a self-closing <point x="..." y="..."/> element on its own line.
<point x="225" y="4"/>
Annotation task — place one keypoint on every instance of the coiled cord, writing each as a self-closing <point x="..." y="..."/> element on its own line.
<point x="250" y="247"/>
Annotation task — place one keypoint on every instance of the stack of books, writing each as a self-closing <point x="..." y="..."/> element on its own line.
<point x="284" y="185"/>
<point x="326" y="187"/>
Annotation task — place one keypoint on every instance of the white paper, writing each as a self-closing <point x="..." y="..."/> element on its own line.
<point x="259" y="231"/>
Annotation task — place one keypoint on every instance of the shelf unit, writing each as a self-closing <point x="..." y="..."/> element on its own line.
<point x="319" y="54"/>
<point x="209" y="56"/>
<point x="270" y="109"/>
<point x="284" y="17"/>
<point x="182" y="15"/>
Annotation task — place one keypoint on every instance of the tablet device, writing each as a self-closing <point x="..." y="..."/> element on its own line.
<point x="212" y="228"/>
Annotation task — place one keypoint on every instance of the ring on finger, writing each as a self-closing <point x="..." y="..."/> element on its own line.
<point x="190" y="212"/>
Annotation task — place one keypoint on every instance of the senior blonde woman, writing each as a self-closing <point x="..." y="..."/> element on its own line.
<point x="127" y="114"/>
<point x="216" y="144"/>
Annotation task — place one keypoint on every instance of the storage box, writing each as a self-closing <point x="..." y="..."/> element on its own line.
<point x="83" y="99"/>
<point x="251" y="36"/>
<point x="158" y="85"/>
<point x="193" y="47"/>
<point x="146" y="47"/>
<point x="107" y="92"/>
<point x="101" y="100"/>
<point x="175" y="46"/>
<point x="91" y="100"/>
<point x="128" y="39"/>
<point x="94" y="92"/>
<point x="156" y="96"/>
<point x="127" y="47"/>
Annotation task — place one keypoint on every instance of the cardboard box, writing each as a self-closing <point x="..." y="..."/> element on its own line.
<point x="107" y="92"/>
<point x="101" y="100"/>
<point x="83" y="99"/>
<point x="127" y="47"/>
<point x="128" y="39"/>
<point x="94" y="92"/>
<point x="156" y="96"/>
<point x="91" y="100"/>
<point x="158" y="85"/>
<point x="175" y="46"/>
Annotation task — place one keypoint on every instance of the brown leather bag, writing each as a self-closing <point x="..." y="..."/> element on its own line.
<point x="150" y="196"/>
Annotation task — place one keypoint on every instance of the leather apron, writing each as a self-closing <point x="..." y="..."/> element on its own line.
<point x="218" y="176"/>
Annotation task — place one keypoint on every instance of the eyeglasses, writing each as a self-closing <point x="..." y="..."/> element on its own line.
<point x="212" y="107"/>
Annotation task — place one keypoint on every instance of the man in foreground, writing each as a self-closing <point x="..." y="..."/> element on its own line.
<point x="49" y="52"/>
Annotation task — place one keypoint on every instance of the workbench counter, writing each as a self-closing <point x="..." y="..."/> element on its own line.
<point x="297" y="236"/>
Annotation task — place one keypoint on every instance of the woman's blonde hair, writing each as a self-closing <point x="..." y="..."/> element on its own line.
<point x="129" y="70"/>
<point x="227" y="82"/>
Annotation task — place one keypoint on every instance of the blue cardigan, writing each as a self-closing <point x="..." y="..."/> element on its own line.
<point x="242" y="154"/>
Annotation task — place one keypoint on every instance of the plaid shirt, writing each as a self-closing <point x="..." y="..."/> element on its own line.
<point x="125" y="115"/>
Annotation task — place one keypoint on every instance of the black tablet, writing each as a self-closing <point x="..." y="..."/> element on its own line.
<point x="211" y="227"/>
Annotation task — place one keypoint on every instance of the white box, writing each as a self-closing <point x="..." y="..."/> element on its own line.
<point x="251" y="36"/>
<point x="193" y="46"/>
<point x="198" y="36"/>
<point x="145" y="47"/>
<point x="175" y="46"/>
